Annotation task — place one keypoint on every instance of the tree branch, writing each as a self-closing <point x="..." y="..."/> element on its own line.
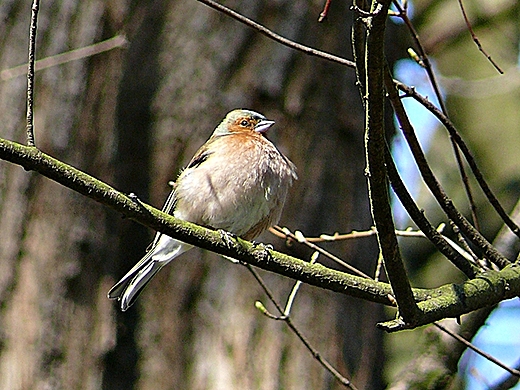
<point x="454" y="134"/>
<point x="30" y="73"/>
<point x="375" y="145"/>
<point x="276" y="37"/>
<point x="434" y="304"/>
<point x="463" y="298"/>
<point x="315" y="274"/>
<point x="433" y="184"/>
<point x="437" y="239"/>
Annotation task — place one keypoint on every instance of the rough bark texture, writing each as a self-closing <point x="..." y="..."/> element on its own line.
<point x="134" y="117"/>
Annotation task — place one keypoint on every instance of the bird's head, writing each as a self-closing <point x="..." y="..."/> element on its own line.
<point x="241" y="120"/>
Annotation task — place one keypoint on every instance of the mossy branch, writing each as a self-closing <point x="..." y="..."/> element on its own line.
<point x="451" y="300"/>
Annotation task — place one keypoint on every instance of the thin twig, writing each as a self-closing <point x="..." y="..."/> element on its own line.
<point x="507" y="382"/>
<point x="354" y="234"/>
<point x="450" y="127"/>
<point x="30" y="73"/>
<point x="358" y="37"/>
<point x="433" y="184"/>
<point x="505" y="241"/>
<point x="286" y="234"/>
<point x="301" y="239"/>
<point x="62" y="58"/>
<point x="463" y="242"/>
<point x="512" y="371"/>
<point x="467" y="185"/>
<point x="438" y="240"/>
<point x="422" y="53"/>
<point x="476" y="40"/>
<point x="425" y="62"/>
<point x="325" y="11"/>
<point x="276" y="37"/>
<point x="287" y="319"/>
<point x="296" y="288"/>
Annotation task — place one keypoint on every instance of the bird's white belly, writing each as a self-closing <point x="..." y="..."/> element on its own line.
<point x="224" y="200"/>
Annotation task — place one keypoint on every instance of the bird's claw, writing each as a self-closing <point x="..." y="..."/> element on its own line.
<point x="228" y="238"/>
<point x="264" y="249"/>
<point x="134" y="198"/>
<point x="261" y="245"/>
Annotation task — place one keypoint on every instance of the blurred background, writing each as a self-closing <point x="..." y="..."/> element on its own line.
<point x="133" y="117"/>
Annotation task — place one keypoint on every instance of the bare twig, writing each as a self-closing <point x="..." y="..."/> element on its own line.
<point x="30" y="73"/>
<point x="62" y="58"/>
<point x="433" y="184"/>
<point x="467" y="185"/>
<point x="296" y="288"/>
<point x="422" y="53"/>
<point x="325" y="11"/>
<point x="450" y="127"/>
<point x="512" y="371"/>
<point x="463" y="242"/>
<point x="505" y="241"/>
<point x="358" y="38"/>
<point x="354" y="234"/>
<point x="507" y="382"/>
<point x="426" y="64"/>
<point x="287" y="319"/>
<point x="476" y="40"/>
<point x="276" y="37"/>
<point x="285" y="232"/>
<point x="445" y="247"/>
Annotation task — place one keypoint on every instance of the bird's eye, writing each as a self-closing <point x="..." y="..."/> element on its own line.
<point x="244" y="123"/>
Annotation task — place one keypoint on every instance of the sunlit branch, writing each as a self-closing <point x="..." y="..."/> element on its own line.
<point x="476" y="40"/>
<point x="30" y="73"/>
<point x="450" y="127"/>
<point x="375" y="144"/>
<point x="425" y="62"/>
<point x="287" y="319"/>
<point x="299" y="237"/>
<point x="433" y="184"/>
<point x="276" y="37"/>
<point x="437" y="239"/>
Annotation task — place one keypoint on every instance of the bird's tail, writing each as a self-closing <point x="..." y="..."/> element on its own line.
<point x="132" y="284"/>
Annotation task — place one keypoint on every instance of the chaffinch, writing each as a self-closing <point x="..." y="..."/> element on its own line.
<point x="237" y="181"/>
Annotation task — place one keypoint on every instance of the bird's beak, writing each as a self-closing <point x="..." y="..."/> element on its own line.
<point x="263" y="126"/>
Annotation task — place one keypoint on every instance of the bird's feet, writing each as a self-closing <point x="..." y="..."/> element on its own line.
<point x="230" y="241"/>
<point x="263" y="249"/>
<point x="262" y="246"/>
<point x="136" y="200"/>
<point x="228" y="238"/>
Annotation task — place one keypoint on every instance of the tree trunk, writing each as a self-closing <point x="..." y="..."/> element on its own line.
<point x="57" y="324"/>
<point x="134" y="118"/>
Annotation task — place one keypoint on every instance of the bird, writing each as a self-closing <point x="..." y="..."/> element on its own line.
<point x="236" y="182"/>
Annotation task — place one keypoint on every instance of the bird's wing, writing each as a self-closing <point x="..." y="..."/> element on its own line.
<point x="168" y="207"/>
<point x="201" y="156"/>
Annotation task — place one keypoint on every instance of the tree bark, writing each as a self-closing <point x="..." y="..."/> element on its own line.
<point x="133" y="118"/>
<point x="56" y="323"/>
